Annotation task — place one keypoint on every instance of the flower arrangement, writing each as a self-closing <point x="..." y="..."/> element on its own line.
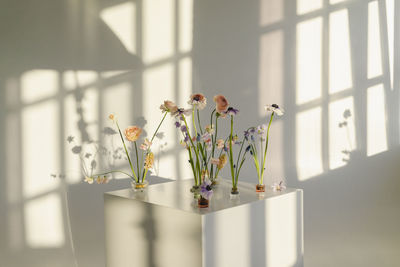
<point x="261" y="134"/>
<point x="207" y="152"/>
<point x="201" y="143"/>
<point x="140" y="163"/>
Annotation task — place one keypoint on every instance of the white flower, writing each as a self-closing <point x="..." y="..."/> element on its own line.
<point x="278" y="186"/>
<point x="89" y="180"/>
<point x="274" y="108"/>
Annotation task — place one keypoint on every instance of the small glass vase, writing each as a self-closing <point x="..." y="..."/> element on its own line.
<point x="139" y="186"/>
<point x="203" y="202"/>
<point x="234" y="191"/>
<point x="196" y="191"/>
<point x="260" y="188"/>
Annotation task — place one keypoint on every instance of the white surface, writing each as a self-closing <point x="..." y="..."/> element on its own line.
<point x="159" y="224"/>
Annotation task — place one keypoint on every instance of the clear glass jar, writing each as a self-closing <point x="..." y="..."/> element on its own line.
<point x="260" y="188"/>
<point x="139" y="186"/>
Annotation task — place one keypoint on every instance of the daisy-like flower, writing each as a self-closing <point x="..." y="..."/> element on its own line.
<point x="222" y="161"/>
<point x="206" y="189"/>
<point x="198" y="100"/>
<point x="210" y="128"/>
<point x="169" y="106"/>
<point x="149" y="161"/>
<point x="146" y="144"/>
<point x="221" y="104"/>
<point x="220" y="143"/>
<point x="278" y="186"/>
<point x="274" y="108"/>
<point x="132" y="133"/>
<point x="112" y="117"/>
<point x="261" y="130"/>
<point x="89" y="180"/>
<point x="231" y="111"/>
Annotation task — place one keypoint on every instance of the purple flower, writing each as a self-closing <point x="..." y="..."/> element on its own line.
<point x="231" y="111"/>
<point x="181" y="111"/>
<point x="183" y="129"/>
<point x="206" y="189"/>
<point x="177" y="124"/>
<point x="186" y="138"/>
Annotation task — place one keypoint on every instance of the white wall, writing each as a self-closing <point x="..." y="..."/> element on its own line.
<point x="65" y="65"/>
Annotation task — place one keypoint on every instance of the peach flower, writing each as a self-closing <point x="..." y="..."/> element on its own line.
<point x="221" y="104"/>
<point x="132" y="133"/>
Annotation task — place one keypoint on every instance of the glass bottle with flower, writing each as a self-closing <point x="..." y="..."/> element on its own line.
<point x="143" y="159"/>
<point x="240" y="157"/>
<point x="256" y="136"/>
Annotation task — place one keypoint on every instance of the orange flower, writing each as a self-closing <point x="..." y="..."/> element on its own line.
<point x="221" y="104"/>
<point x="222" y="161"/>
<point x="132" y="133"/>
<point x="111" y="116"/>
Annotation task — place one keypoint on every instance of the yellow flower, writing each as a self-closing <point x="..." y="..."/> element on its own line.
<point x="148" y="162"/>
<point x="111" y="116"/>
<point x="132" y="133"/>
<point x="222" y="161"/>
<point x="102" y="180"/>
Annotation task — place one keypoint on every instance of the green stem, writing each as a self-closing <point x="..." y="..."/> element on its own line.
<point x="194" y="121"/>
<point x="266" y="147"/>
<point x="137" y="160"/>
<point x="98" y="174"/>
<point x="198" y="120"/>
<point x="231" y="154"/>
<point x="214" y="141"/>
<point x="126" y="151"/>
<point x="194" y="147"/>
<point x="159" y="125"/>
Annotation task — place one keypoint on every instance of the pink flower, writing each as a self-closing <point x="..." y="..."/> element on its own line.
<point x="221" y="104"/>
<point x="132" y="133"/>
<point x="169" y="106"/>
<point x="146" y="144"/>
<point x="220" y="143"/>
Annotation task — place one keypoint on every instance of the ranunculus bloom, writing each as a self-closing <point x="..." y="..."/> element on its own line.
<point x="221" y="104"/>
<point x="132" y="133"/>
<point x="169" y="106"/>
<point x="199" y="100"/>
<point x="206" y="189"/>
